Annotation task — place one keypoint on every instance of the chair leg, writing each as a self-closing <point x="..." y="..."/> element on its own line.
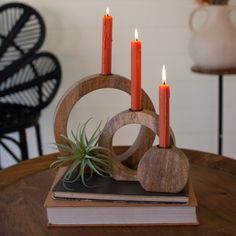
<point x="7" y="149"/>
<point x="39" y="142"/>
<point x="0" y="156"/>
<point x="23" y="145"/>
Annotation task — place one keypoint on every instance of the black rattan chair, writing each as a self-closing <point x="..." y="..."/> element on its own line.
<point x="28" y="80"/>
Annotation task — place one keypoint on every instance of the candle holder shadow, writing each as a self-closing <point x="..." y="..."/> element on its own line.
<point x="92" y="83"/>
<point x="159" y="169"/>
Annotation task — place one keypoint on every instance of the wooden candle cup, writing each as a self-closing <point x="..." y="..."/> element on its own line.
<point x="163" y="170"/>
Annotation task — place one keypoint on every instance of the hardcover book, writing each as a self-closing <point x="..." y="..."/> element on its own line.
<point x="108" y="189"/>
<point x="85" y="212"/>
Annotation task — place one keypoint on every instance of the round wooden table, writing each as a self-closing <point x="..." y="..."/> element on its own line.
<point x="23" y="189"/>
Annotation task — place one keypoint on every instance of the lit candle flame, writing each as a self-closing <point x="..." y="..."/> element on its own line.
<point x="136" y="34"/>
<point x="163" y="74"/>
<point x="107" y="11"/>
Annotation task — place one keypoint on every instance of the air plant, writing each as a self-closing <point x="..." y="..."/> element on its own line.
<point x="83" y="156"/>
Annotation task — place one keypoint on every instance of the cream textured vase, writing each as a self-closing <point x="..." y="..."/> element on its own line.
<point x="213" y="46"/>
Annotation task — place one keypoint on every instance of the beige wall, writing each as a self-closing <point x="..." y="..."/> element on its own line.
<point x="74" y="35"/>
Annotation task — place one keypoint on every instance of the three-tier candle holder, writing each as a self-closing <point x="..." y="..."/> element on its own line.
<point x="157" y="169"/>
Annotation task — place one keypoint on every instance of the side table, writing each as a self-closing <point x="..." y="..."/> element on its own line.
<point x="220" y="73"/>
<point x="24" y="187"/>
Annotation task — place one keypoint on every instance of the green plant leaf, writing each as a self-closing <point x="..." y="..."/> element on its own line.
<point x="64" y="147"/>
<point x="84" y="154"/>
<point x="73" y="180"/>
<point x="58" y="163"/>
<point x="95" y="136"/>
<point x="103" y="162"/>
<point x="83" y="165"/>
<point x="72" y="168"/>
<point x="67" y="157"/>
<point x="95" y="169"/>
<point x="75" y="136"/>
<point x="72" y="144"/>
<point x="83" y="136"/>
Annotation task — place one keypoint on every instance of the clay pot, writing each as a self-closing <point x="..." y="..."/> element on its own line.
<point x="213" y="46"/>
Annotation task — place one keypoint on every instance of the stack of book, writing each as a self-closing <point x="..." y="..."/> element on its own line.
<point x="110" y="202"/>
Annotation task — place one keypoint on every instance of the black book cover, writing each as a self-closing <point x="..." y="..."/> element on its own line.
<point x="108" y="189"/>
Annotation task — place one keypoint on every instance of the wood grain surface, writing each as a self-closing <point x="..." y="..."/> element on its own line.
<point x="159" y="169"/>
<point x="163" y="170"/>
<point x="92" y="83"/>
<point x="23" y="189"/>
<point x="146" y="118"/>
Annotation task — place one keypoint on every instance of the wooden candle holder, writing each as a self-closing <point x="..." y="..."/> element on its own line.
<point x="145" y="118"/>
<point x="163" y="170"/>
<point x="159" y="169"/>
<point x="92" y="83"/>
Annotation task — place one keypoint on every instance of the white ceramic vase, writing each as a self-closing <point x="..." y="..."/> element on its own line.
<point x="213" y="46"/>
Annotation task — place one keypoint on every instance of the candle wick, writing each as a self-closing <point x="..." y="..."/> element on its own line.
<point x="136" y="39"/>
<point x="164" y="82"/>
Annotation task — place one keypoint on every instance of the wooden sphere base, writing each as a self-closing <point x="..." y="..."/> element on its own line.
<point x="163" y="170"/>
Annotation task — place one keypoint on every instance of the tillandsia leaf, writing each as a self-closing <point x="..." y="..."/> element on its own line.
<point x="64" y="147"/>
<point x="90" y="173"/>
<point x="104" y="156"/>
<point x="105" y="167"/>
<point x="102" y="170"/>
<point x="102" y="161"/>
<point x="75" y="136"/>
<point x="85" y="156"/>
<point x="62" y="160"/>
<point x="79" y="153"/>
<point x="95" y="158"/>
<point x="82" y="143"/>
<point x="77" y="177"/>
<point x="65" y="158"/>
<point x="95" y="169"/>
<point x="100" y="167"/>
<point x="57" y="164"/>
<point x="95" y="136"/>
<point x="105" y="163"/>
<point x="83" y="165"/>
<point x="94" y="141"/>
<point x="72" y="168"/>
<point x="83" y="137"/>
<point x="91" y="165"/>
<point x="71" y="144"/>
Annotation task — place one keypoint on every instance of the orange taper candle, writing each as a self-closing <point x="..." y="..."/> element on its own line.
<point x="136" y="73"/>
<point x="164" y="112"/>
<point x="106" y="43"/>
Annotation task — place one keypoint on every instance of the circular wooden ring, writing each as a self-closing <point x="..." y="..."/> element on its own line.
<point x="146" y="118"/>
<point x="89" y="84"/>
